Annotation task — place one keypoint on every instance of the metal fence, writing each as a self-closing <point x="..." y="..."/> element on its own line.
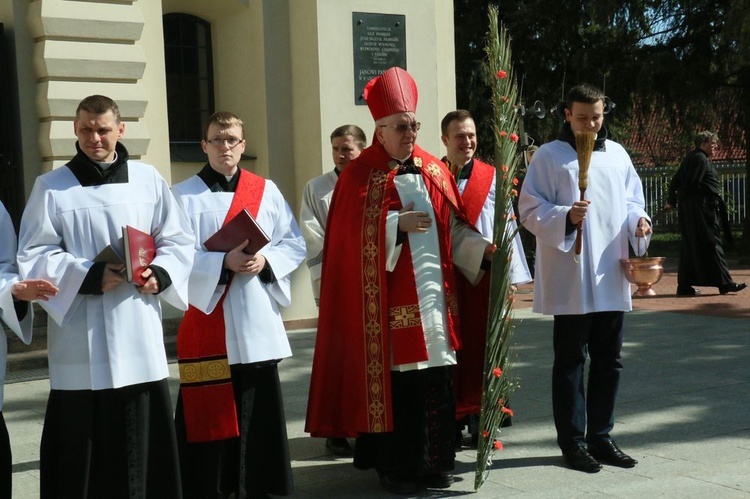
<point x="656" y="184"/>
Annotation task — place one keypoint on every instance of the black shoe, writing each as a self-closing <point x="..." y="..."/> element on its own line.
<point x="339" y="446"/>
<point x="687" y="291"/>
<point x="579" y="459"/>
<point x="437" y="480"/>
<point x="608" y="452"/>
<point x="396" y="484"/>
<point x="732" y="287"/>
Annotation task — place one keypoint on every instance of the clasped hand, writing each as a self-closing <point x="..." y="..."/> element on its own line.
<point x="114" y="274"/>
<point x="241" y="263"/>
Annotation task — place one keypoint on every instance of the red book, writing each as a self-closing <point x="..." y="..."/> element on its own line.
<point x="233" y="233"/>
<point x="140" y="251"/>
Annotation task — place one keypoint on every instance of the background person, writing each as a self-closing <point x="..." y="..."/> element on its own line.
<point x="18" y="315"/>
<point x="587" y="294"/>
<point x="696" y="191"/>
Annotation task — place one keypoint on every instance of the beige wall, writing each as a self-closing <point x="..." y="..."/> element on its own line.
<point x="429" y="59"/>
<point x="13" y="14"/>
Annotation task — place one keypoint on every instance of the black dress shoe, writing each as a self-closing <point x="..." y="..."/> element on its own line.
<point x="579" y="459"/>
<point x="608" y="452"/>
<point x="732" y="287"/>
<point x="437" y="480"/>
<point x="339" y="446"/>
<point x="687" y="291"/>
<point x="397" y="484"/>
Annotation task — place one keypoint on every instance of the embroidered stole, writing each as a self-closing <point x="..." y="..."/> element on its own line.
<point x="404" y="319"/>
<point x="205" y="376"/>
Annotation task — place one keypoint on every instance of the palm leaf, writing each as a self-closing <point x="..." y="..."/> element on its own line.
<point x="497" y="383"/>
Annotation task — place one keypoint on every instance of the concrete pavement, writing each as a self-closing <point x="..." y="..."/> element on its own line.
<point x="683" y="412"/>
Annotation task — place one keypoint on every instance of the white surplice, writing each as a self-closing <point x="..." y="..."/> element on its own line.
<point x="595" y="282"/>
<point x="485" y="224"/>
<point x="114" y="339"/>
<point x="254" y="327"/>
<point x="316" y="200"/>
<point x="468" y="251"/>
<point x="8" y="277"/>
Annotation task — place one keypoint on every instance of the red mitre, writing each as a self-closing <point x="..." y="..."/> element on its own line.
<point x="392" y="92"/>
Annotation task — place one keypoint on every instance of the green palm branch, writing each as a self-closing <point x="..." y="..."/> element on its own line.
<point x="497" y="383"/>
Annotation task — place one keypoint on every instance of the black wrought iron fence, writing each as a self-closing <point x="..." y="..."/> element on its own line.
<point x="656" y="183"/>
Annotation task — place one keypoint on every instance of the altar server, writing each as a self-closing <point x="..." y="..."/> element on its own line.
<point x="230" y="417"/>
<point x="108" y="429"/>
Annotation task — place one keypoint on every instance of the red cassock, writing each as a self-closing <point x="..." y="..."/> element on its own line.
<point x="366" y="313"/>
<point x="473" y="305"/>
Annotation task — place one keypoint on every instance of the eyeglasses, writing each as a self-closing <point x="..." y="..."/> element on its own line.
<point x="232" y="143"/>
<point x="403" y="127"/>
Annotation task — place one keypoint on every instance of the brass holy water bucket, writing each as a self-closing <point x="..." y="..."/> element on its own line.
<point x="644" y="272"/>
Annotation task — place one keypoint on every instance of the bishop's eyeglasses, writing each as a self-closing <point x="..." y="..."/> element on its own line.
<point x="403" y="127"/>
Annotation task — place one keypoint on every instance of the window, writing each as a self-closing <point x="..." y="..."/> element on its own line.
<point x="190" y="86"/>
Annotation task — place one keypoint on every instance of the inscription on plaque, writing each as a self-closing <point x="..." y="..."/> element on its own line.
<point x="379" y="43"/>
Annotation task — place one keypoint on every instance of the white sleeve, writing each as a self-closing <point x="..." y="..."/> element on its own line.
<point x="287" y="247"/>
<point x="312" y="225"/>
<point x="42" y="256"/>
<point x="468" y="248"/>
<point x="8" y="277"/>
<point x="537" y="204"/>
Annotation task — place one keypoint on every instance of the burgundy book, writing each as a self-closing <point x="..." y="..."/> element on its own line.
<point x="233" y="233"/>
<point x="140" y="251"/>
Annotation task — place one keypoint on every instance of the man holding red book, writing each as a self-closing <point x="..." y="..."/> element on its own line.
<point x="230" y="414"/>
<point x="108" y="429"/>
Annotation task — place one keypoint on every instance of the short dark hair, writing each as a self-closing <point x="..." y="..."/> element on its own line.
<point x="705" y="136"/>
<point x="225" y="120"/>
<point x="584" y="92"/>
<point x="457" y="115"/>
<point x="98" y="104"/>
<point x="351" y="131"/>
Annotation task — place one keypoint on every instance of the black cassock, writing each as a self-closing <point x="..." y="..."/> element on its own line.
<point x="696" y="190"/>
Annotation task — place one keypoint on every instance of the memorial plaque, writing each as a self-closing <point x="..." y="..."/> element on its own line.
<point x="379" y="43"/>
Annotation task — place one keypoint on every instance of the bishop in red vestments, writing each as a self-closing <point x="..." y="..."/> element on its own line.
<point x="388" y="324"/>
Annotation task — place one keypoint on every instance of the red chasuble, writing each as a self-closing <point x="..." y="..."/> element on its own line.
<point x="366" y="313"/>
<point x="473" y="305"/>
<point x="205" y="377"/>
